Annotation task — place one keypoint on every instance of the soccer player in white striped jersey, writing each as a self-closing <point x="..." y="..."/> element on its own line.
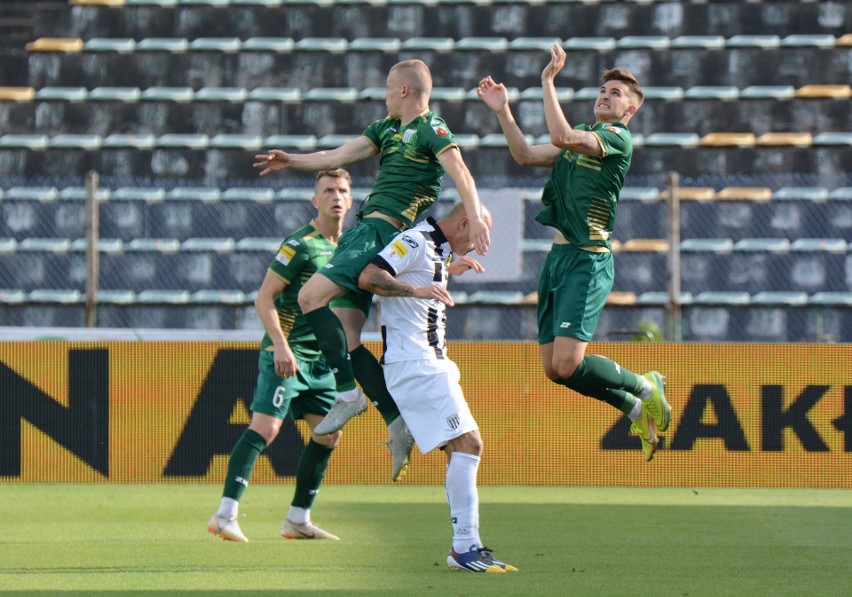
<point x="410" y="274"/>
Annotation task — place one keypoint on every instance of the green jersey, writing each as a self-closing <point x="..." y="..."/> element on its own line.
<point x="581" y="196"/>
<point x="300" y="255"/>
<point x="410" y="174"/>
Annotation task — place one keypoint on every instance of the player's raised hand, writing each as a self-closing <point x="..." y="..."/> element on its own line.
<point x="480" y="236"/>
<point x="271" y="161"/>
<point x="435" y="291"/>
<point x="494" y="94"/>
<point x="462" y="264"/>
<point x="557" y="61"/>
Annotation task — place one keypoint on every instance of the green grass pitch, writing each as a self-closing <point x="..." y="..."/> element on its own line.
<point x="394" y="539"/>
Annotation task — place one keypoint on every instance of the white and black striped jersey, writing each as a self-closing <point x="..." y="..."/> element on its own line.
<point x="414" y="328"/>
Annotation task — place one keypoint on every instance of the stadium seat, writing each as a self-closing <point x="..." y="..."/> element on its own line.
<point x="218" y="297"/>
<point x="215" y="44"/>
<point x="682" y="140"/>
<point x="104" y="44"/>
<point x="104" y="245"/>
<point x="167" y="94"/>
<point x="31" y="193"/>
<point x="54" y="296"/>
<point x="820" y="245"/>
<point x="535" y="44"/>
<point x="322" y="44"/>
<point x="727" y="140"/>
<point x="785" y="139"/>
<point x="725" y="92"/>
<point x="17" y="94"/>
<point x="745" y="194"/>
<point x="24" y="141"/>
<point x="446" y="94"/>
<point x="496" y="297"/>
<point x="659" y="298"/>
<point x="712" y="297"/>
<point x="800" y="194"/>
<point x="663" y="93"/>
<point x="778" y="92"/>
<point x="114" y="94"/>
<point x="429" y="44"/>
<point x="841" y="194"/>
<point x="134" y="141"/>
<point x="254" y="244"/>
<point x="206" y="245"/>
<point x="833" y="138"/>
<point x="753" y="41"/>
<point x="650" y="42"/>
<point x="169" y="297"/>
<point x="189" y="141"/>
<point x="174" y="45"/>
<point x="375" y="44"/>
<point x="254" y="194"/>
<point x="79" y="194"/>
<point x="116" y="297"/>
<point x="484" y="44"/>
<point x="279" y="45"/>
<point x="12" y="296"/>
<point x="639" y="194"/>
<point x="66" y="94"/>
<point x="244" y="142"/>
<point x="819" y="40"/>
<point x="67" y="45"/>
<point x="221" y="94"/>
<point x="702" y="245"/>
<point x="708" y="42"/>
<point x="149" y="194"/>
<point x="193" y="194"/>
<point x="824" y="91"/>
<point x="85" y="142"/>
<point x="598" y="44"/>
<point x="769" y="245"/>
<point x="831" y="299"/>
<point x="534" y="94"/>
<point x="159" y="245"/>
<point x="331" y="94"/>
<point x="275" y="94"/>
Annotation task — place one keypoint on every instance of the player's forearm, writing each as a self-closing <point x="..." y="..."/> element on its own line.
<point x="268" y="315"/>
<point x="380" y="282"/>
<point x="557" y="125"/>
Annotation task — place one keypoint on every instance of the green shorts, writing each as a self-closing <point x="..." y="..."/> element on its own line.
<point x="355" y="249"/>
<point x="572" y="291"/>
<point x="312" y="390"/>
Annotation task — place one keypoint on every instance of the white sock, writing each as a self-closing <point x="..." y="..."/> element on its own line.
<point x="646" y="388"/>
<point x="228" y="508"/>
<point x="298" y="515"/>
<point x="348" y="395"/>
<point x="635" y="411"/>
<point x="463" y="498"/>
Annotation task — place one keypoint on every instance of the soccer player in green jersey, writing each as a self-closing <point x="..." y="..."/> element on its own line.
<point x="588" y="164"/>
<point x="294" y="377"/>
<point x="416" y="149"/>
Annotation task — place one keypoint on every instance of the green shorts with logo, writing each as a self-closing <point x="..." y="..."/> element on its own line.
<point x="355" y="249"/>
<point x="572" y="292"/>
<point x="312" y="390"/>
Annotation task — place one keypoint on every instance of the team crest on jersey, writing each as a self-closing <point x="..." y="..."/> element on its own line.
<point x="454" y="421"/>
<point x="285" y="254"/>
<point x="440" y="131"/>
<point x="408" y="135"/>
<point x="613" y="129"/>
<point x="399" y="249"/>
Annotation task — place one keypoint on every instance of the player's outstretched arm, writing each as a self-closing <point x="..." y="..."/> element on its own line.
<point x="379" y="281"/>
<point x="453" y="163"/>
<point x="354" y="150"/>
<point x="496" y="97"/>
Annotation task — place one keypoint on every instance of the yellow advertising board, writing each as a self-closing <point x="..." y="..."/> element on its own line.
<point x="744" y="415"/>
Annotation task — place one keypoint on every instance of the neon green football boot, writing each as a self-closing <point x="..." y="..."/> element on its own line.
<point x="656" y="403"/>
<point x="646" y="429"/>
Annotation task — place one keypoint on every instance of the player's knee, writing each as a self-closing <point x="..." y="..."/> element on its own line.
<point x="329" y="440"/>
<point x="564" y="368"/>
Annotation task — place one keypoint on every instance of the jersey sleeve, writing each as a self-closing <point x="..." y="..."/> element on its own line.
<point x="403" y="253"/>
<point x="436" y="136"/>
<point x="615" y="140"/>
<point x="290" y="259"/>
<point x="373" y="133"/>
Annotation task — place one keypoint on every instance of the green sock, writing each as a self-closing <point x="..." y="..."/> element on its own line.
<point x="603" y="379"/>
<point x="371" y="376"/>
<point x="241" y="463"/>
<point x="309" y="474"/>
<point x="332" y="341"/>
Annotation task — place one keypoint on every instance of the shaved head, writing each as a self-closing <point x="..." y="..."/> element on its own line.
<point x="415" y="74"/>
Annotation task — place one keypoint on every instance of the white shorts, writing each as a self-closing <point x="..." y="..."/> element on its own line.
<point x="431" y="401"/>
